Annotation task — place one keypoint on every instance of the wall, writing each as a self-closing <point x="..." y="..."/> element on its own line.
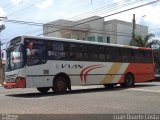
<point x="119" y="32"/>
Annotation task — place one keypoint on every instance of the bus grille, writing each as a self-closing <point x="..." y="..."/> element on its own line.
<point x="10" y="78"/>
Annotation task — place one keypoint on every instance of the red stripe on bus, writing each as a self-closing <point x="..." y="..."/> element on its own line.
<point x="82" y="72"/>
<point x="86" y="73"/>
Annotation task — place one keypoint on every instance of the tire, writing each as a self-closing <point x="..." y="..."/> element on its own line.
<point x="60" y="84"/>
<point x="128" y="81"/>
<point x="43" y="89"/>
<point x="110" y="86"/>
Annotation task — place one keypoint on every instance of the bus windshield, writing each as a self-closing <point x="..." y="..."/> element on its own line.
<point x="15" y="59"/>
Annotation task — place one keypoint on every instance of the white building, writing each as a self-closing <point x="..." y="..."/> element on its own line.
<point x="94" y="29"/>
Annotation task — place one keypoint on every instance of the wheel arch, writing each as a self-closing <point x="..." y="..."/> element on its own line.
<point x="62" y="74"/>
<point x="126" y="82"/>
<point x="130" y="73"/>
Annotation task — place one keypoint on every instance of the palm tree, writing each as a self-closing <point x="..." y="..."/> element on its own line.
<point x="148" y="41"/>
<point x="143" y="41"/>
<point x="153" y="44"/>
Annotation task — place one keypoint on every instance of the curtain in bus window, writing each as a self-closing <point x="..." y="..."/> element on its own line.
<point x="57" y="50"/>
<point x="93" y="52"/>
<point x="72" y="51"/>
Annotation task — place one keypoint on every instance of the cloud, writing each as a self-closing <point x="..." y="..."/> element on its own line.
<point x="45" y="4"/>
<point x="16" y="2"/>
<point x="2" y="12"/>
<point x="115" y="1"/>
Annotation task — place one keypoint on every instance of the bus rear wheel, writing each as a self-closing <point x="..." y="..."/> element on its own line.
<point x="43" y="89"/>
<point x="128" y="81"/>
<point x="60" y="84"/>
<point x="110" y="86"/>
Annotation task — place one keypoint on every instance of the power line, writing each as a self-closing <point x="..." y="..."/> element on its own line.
<point x="49" y="25"/>
<point x="97" y="10"/>
<point x="100" y="9"/>
<point x="104" y="16"/>
<point x="8" y="6"/>
<point x="24" y="22"/>
<point x="20" y="10"/>
<point x="109" y="8"/>
<point x="59" y="26"/>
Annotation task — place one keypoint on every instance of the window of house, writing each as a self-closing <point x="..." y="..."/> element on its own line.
<point x="108" y="39"/>
<point x="91" y="38"/>
<point x="100" y="39"/>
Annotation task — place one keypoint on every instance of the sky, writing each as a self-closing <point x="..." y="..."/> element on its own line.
<point x="44" y="11"/>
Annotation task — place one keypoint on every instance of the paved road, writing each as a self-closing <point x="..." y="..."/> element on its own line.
<point x="143" y="98"/>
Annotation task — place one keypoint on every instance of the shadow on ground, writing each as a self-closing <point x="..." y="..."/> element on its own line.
<point x="79" y="91"/>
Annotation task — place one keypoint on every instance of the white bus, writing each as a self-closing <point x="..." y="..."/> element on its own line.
<point x="57" y="63"/>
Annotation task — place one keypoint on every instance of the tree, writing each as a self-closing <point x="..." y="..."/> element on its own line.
<point x="150" y="42"/>
<point x="143" y="41"/>
<point x="153" y="44"/>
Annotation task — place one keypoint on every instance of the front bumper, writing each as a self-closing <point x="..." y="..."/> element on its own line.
<point x="20" y="83"/>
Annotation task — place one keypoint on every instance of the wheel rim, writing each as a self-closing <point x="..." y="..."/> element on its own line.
<point x="60" y="84"/>
<point x="129" y="81"/>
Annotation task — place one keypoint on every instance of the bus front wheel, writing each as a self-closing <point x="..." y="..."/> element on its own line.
<point x="60" y="84"/>
<point x="43" y="89"/>
<point x="128" y="81"/>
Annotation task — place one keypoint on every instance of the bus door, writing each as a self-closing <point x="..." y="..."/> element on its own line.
<point x="35" y="63"/>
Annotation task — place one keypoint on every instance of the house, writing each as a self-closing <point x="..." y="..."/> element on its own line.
<point x="94" y="29"/>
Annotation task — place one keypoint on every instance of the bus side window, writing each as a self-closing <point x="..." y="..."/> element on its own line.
<point x="113" y="54"/>
<point x="35" y="51"/>
<point x="107" y="54"/>
<point x="93" y="56"/>
<point x="127" y="55"/>
<point x="57" y="50"/>
<point x="101" y="53"/>
<point x="50" y="50"/>
<point x="72" y="51"/>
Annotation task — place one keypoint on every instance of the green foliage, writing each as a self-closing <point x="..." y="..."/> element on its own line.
<point x="150" y="42"/>
<point x="143" y="41"/>
<point x="157" y="61"/>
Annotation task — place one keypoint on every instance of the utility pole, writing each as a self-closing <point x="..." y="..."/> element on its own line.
<point x="133" y="29"/>
<point x="2" y="27"/>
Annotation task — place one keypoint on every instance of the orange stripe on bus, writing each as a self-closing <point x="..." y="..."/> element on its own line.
<point x="113" y="70"/>
<point x="141" y="72"/>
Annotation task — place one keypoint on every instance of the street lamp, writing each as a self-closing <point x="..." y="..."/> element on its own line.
<point x="133" y="28"/>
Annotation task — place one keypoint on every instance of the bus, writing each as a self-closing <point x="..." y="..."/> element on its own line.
<point x="56" y="63"/>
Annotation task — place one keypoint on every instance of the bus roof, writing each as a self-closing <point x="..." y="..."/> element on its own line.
<point x="82" y="41"/>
